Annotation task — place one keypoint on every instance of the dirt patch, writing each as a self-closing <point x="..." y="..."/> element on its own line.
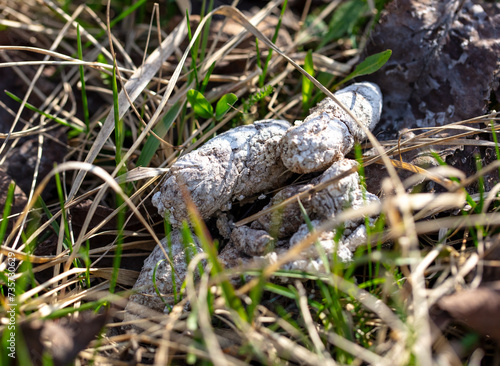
<point x="444" y="67"/>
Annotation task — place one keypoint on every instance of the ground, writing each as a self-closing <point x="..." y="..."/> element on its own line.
<point x="420" y="290"/>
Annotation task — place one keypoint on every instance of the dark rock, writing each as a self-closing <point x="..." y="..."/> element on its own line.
<point x="444" y="65"/>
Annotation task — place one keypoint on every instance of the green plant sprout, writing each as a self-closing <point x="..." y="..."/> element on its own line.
<point x="256" y="97"/>
<point x="370" y="65"/>
<point x="202" y="107"/>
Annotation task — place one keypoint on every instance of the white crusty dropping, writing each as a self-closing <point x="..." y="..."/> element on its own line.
<point x="325" y="204"/>
<point x="311" y="260"/>
<point x="238" y="163"/>
<point x="283" y="223"/>
<point x="344" y="248"/>
<point x="249" y="160"/>
<point x="146" y="296"/>
<point x="252" y="241"/>
<point x="329" y="133"/>
<point x="312" y="264"/>
<point x="340" y="195"/>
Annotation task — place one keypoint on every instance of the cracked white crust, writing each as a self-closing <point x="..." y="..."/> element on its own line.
<point x="238" y="163"/>
<point x="250" y="159"/>
<point x="285" y="222"/>
<point x="329" y="133"/>
<point x="310" y="265"/>
<point x="146" y="295"/>
<point x="340" y="195"/>
<point x="310" y="260"/>
<point x="346" y="245"/>
<point x="252" y="241"/>
<point x="322" y="205"/>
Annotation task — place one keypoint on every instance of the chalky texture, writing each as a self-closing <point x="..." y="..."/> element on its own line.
<point x="252" y="241"/>
<point x="239" y="163"/>
<point x="326" y="240"/>
<point x="313" y="264"/>
<point x="340" y="195"/>
<point x="251" y="159"/>
<point x="146" y="295"/>
<point x="346" y="245"/>
<point x="284" y="222"/>
<point x="323" y="205"/>
<point x="329" y="133"/>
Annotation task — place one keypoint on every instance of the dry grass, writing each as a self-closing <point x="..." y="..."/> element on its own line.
<point x="376" y="310"/>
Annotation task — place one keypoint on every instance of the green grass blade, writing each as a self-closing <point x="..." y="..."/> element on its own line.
<point x="189" y="247"/>
<point x="201" y="231"/>
<point x="13" y="344"/>
<point x="118" y="18"/>
<point x="155" y="285"/>
<point x="22" y="353"/>
<point x="120" y="223"/>
<point x="125" y="13"/>
<point x="257" y="52"/>
<point x="119" y="128"/>
<point x="85" y="253"/>
<point x="168" y="235"/>
<point x="262" y="77"/>
<point x="67" y="235"/>
<point x="289" y="292"/>
<point x="120" y="217"/>
<point x="279" y="290"/>
<point x="194" y="52"/>
<point x="160" y="130"/>
<point x="331" y="296"/>
<point x="344" y="20"/>
<point x="371" y="64"/>
<point x="85" y="105"/>
<point x="206" y="30"/>
<point x="370" y="284"/>
<point x="206" y="79"/>
<point x="319" y="248"/>
<point x="256" y="296"/>
<point x="307" y="86"/>
<point x="61" y="313"/>
<point x="120" y="227"/>
<point x="67" y="244"/>
<point x="480" y="182"/>
<point x="49" y="116"/>
<point x="224" y="105"/>
<point x="6" y="210"/>
<point x="60" y="195"/>
<point x="495" y="140"/>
